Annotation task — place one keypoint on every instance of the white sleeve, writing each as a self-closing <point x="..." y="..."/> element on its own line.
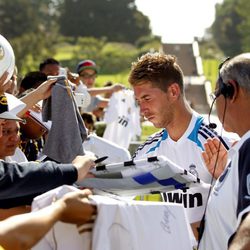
<point x="112" y="109"/>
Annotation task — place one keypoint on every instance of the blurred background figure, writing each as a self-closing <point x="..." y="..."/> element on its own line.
<point x="100" y="111"/>
<point x="88" y="71"/>
<point x="31" y="81"/>
<point x="50" y="67"/>
<point x="31" y="139"/>
<point x="89" y="121"/>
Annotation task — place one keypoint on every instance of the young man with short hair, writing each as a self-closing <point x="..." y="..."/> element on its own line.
<point x="158" y="84"/>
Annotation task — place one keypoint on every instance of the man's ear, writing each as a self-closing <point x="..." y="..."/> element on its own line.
<point x="174" y="90"/>
<point x="234" y="86"/>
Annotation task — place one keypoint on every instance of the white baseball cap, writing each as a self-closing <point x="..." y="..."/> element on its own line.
<point x="9" y="107"/>
<point x="7" y="58"/>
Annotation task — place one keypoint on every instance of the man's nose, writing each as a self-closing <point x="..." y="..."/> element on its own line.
<point x="143" y="109"/>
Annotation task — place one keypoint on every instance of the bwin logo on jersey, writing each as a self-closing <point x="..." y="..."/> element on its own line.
<point x="123" y="121"/>
<point x="188" y="200"/>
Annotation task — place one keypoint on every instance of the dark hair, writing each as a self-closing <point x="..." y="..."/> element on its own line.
<point x="48" y="61"/>
<point x="32" y="80"/>
<point x="88" y="117"/>
<point x="159" y="69"/>
<point x="108" y="84"/>
<point x="89" y="120"/>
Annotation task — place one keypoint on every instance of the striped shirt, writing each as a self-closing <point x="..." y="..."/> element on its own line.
<point x="186" y="152"/>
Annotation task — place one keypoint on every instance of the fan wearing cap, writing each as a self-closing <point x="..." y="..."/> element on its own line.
<point x="4" y="110"/>
<point x="87" y="71"/>
<point x="20" y="183"/>
<point x="10" y="139"/>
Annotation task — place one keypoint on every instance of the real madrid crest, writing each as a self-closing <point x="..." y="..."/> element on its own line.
<point x="193" y="170"/>
<point x="1" y="52"/>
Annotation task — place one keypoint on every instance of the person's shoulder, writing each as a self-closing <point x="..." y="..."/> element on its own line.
<point x="230" y="137"/>
<point x="244" y="143"/>
<point x="155" y="136"/>
<point x="150" y="142"/>
<point x="206" y="131"/>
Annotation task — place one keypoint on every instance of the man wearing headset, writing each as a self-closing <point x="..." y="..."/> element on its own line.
<point x="227" y="219"/>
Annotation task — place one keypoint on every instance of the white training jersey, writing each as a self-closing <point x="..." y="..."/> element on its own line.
<point x="229" y="200"/>
<point x="186" y="152"/>
<point x="127" y="225"/>
<point x="18" y="156"/>
<point x="122" y="118"/>
<point x="101" y="147"/>
<point x="62" y="235"/>
<point x="120" y="224"/>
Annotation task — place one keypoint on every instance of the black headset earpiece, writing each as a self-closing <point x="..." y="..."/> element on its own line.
<point x="225" y="89"/>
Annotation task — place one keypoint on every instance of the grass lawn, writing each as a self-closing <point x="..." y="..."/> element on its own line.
<point x="66" y="52"/>
<point x="210" y="68"/>
<point x="117" y="78"/>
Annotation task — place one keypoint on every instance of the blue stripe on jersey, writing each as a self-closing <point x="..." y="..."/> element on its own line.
<point x="207" y="132"/>
<point x="172" y="182"/>
<point x="164" y="137"/>
<point x="150" y="140"/>
<point x="210" y="132"/>
<point x="224" y="143"/>
<point x="145" y="179"/>
<point x="203" y="134"/>
<point x="148" y="178"/>
<point x="194" y="134"/>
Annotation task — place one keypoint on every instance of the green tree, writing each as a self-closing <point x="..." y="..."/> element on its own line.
<point x="17" y="18"/>
<point x="231" y="28"/>
<point x="31" y="27"/>
<point x="225" y="28"/>
<point x="243" y="8"/>
<point x="118" y="21"/>
<point x="208" y="47"/>
<point x="117" y="57"/>
<point x="110" y="57"/>
<point x="148" y="43"/>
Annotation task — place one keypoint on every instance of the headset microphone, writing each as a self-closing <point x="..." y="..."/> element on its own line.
<point x="212" y="125"/>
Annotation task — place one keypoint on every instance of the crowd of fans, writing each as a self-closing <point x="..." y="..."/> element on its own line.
<point x="186" y="138"/>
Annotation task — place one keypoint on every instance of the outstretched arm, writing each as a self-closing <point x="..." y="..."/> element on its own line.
<point x="24" y="231"/>
<point x="106" y="90"/>
<point x="40" y="93"/>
